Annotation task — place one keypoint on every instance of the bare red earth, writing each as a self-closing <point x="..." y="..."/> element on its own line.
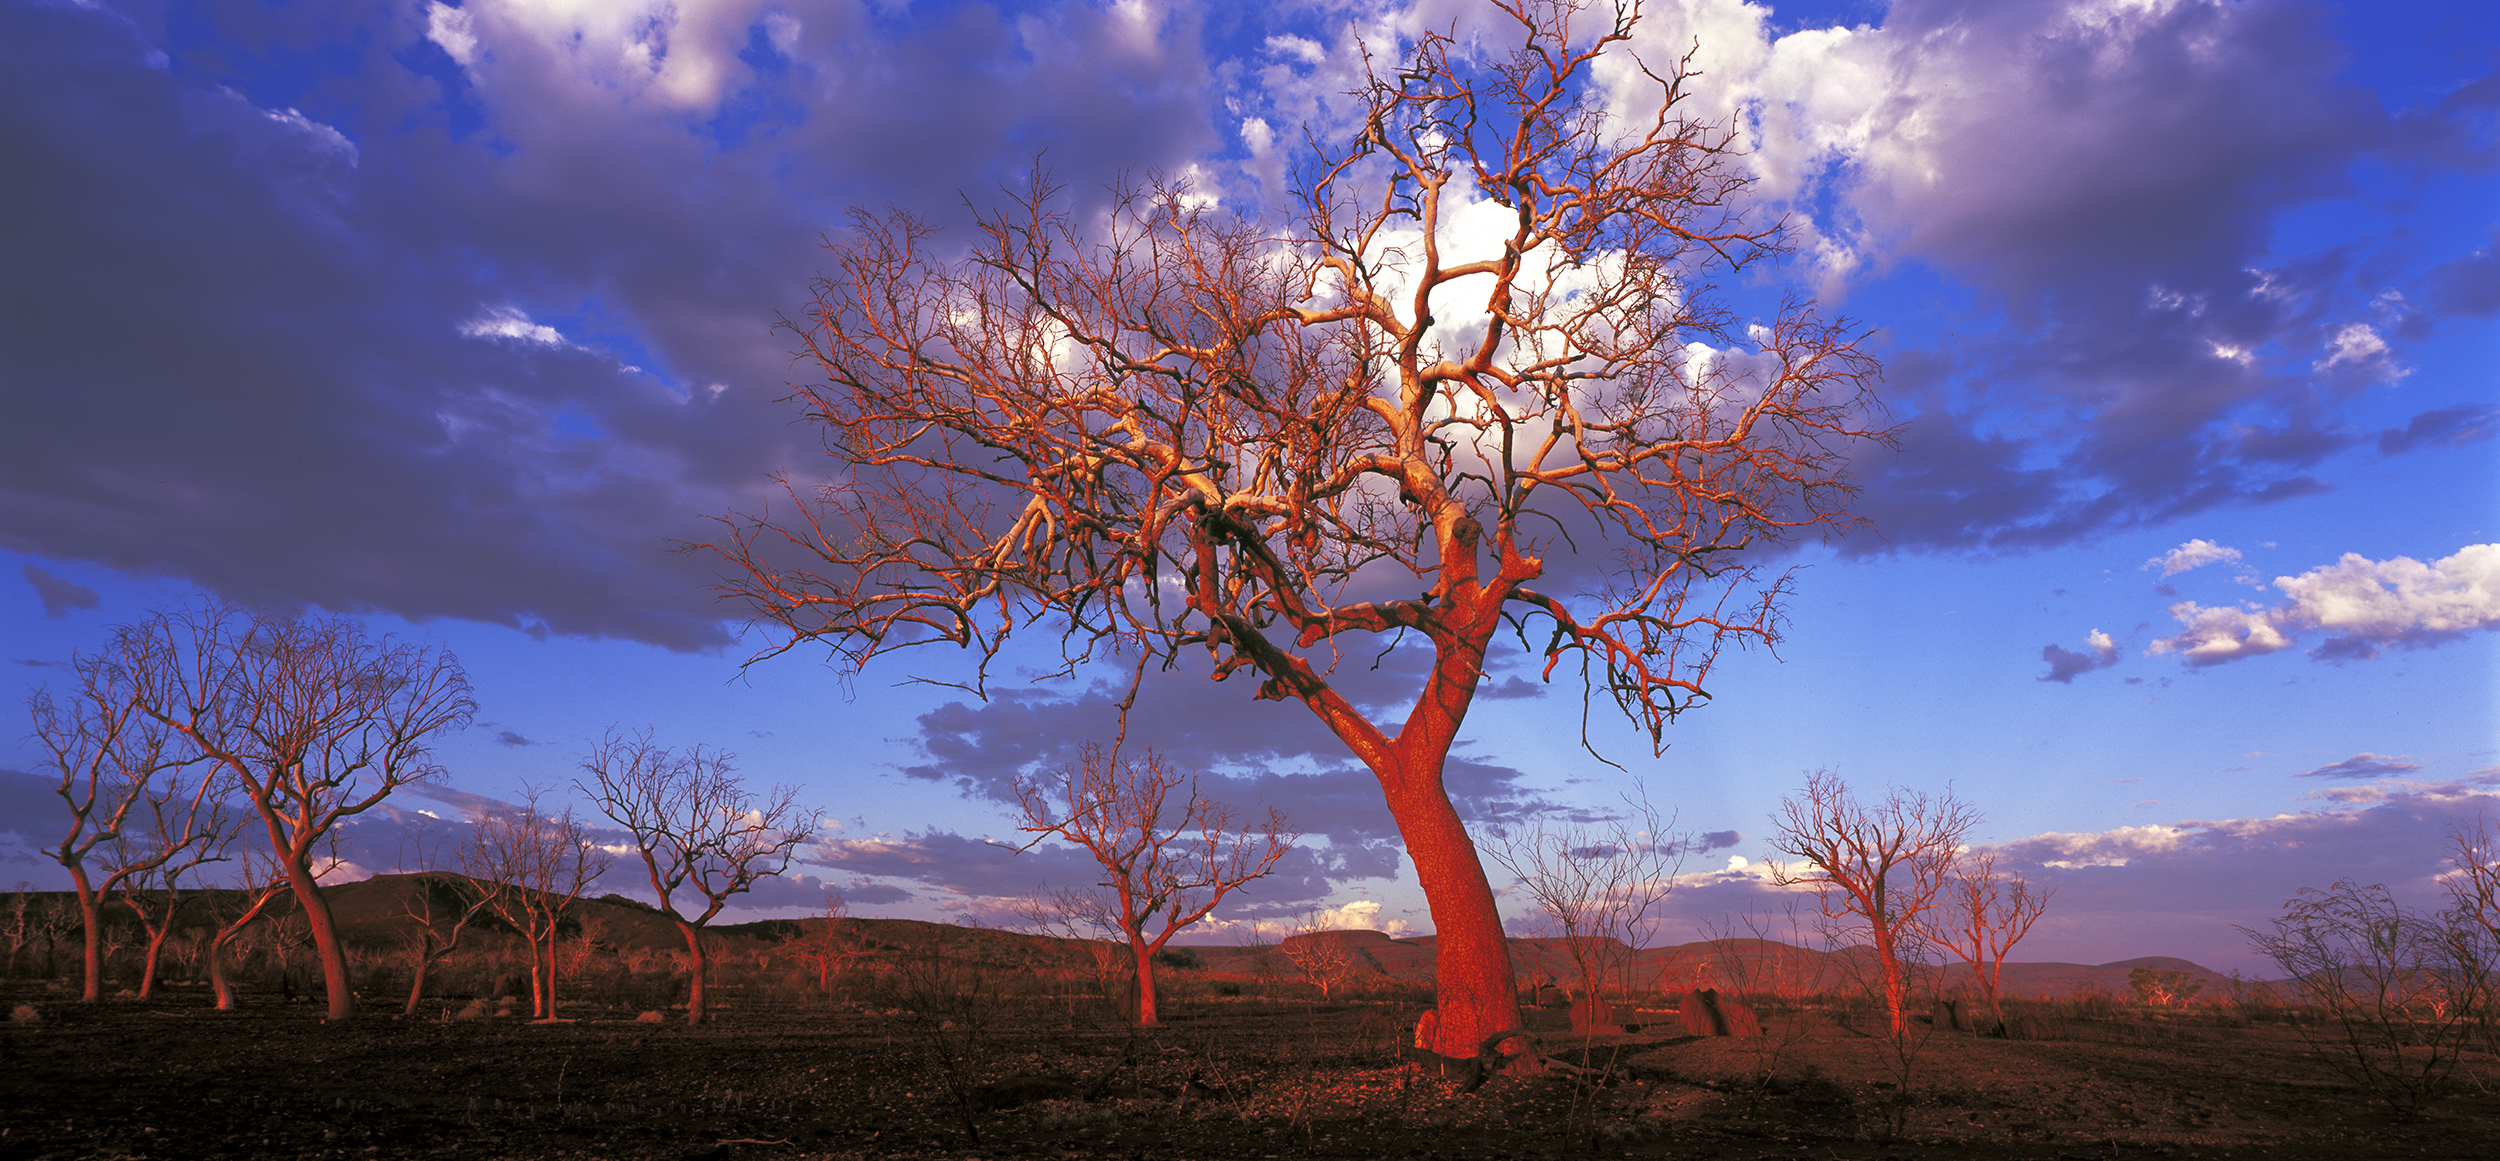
<point x="1251" y="1080"/>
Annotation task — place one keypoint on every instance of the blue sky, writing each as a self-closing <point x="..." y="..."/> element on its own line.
<point x="455" y="317"/>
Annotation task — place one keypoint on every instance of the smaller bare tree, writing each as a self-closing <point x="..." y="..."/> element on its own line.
<point x="1172" y="865"/>
<point x="696" y="828"/>
<point x="1082" y="917"/>
<point x="183" y="829"/>
<point x="542" y="863"/>
<point x="1596" y="885"/>
<point x="440" y="911"/>
<point x="1985" y="914"/>
<point x="826" y="941"/>
<point x="1875" y="867"/>
<point x="1319" y="950"/>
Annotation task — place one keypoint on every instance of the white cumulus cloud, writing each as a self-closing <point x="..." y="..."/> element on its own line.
<point x="2193" y="554"/>
<point x="2362" y="605"/>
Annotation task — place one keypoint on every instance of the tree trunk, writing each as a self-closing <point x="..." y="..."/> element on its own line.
<point x="530" y="938"/>
<point x="217" y="981"/>
<point x="1890" y="966"/>
<point x="1472" y="983"/>
<point x="325" y="935"/>
<point x="547" y="991"/>
<point x="416" y="984"/>
<point x="91" y="911"/>
<point x="1145" y="982"/>
<point x="156" y="942"/>
<point x="694" y="962"/>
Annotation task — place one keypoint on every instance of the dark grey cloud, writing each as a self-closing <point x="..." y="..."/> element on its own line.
<point x="58" y="596"/>
<point x="2364" y="766"/>
<point x="989" y="873"/>
<point x="509" y="738"/>
<point x="317" y="204"/>
<point x="30" y="808"/>
<point x="2470" y="285"/>
<point x="2110" y="183"/>
<point x="2100" y="652"/>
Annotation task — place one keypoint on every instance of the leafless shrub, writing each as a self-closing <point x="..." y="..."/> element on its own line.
<point x="2402" y="989"/>
<point x="1595" y="885"/>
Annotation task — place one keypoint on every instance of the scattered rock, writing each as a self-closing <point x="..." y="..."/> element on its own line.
<point x="648" y="1018"/>
<point x="25" y="1014"/>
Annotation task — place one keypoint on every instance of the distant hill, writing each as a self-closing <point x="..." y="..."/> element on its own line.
<point x="1738" y="964"/>
<point x="377" y="913"/>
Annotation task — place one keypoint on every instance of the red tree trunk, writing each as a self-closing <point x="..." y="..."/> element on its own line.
<point x="91" y="911"/>
<point x="1145" y="982"/>
<point x="694" y="961"/>
<point x="325" y="935"/>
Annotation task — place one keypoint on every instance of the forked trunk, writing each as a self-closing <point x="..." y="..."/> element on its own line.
<point x="695" y="964"/>
<point x="147" y="970"/>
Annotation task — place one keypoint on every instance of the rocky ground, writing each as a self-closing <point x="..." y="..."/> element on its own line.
<point x="1252" y="1080"/>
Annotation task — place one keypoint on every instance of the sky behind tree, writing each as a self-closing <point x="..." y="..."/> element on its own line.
<point x="459" y="318"/>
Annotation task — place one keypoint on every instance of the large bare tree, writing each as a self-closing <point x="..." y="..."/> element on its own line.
<point x="1877" y="867"/>
<point x="1164" y="869"/>
<point x="1486" y="334"/>
<point x="696" y="828"/>
<point x="315" y="721"/>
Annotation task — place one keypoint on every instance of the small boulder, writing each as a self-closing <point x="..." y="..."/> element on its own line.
<point x="1738" y="1018"/>
<point x="1698" y="1011"/>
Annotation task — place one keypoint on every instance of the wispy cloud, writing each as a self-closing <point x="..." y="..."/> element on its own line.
<point x="58" y="596"/>
<point x="2364" y="766"/>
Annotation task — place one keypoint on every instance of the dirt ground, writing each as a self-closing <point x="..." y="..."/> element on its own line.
<point x="174" y="1079"/>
